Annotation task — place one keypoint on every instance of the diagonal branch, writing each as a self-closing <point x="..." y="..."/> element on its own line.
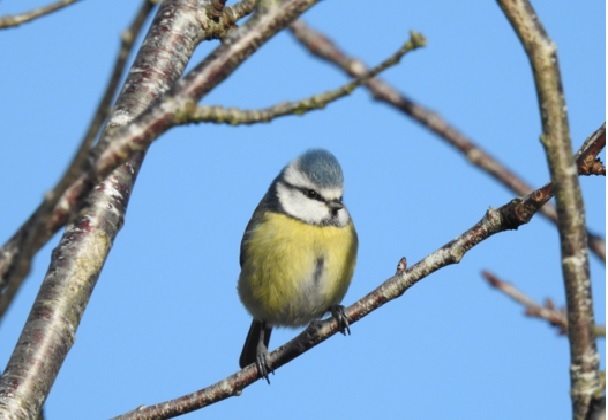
<point x="322" y="47"/>
<point x="556" y="317"/>
<point x="510" y="216"/>
<point x="218" y="114"/>
<point x="542" y="53"/>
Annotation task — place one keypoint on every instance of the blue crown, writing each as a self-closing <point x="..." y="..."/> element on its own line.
<point x="322" y="168"/>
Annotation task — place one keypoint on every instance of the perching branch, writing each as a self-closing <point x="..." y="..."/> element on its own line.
<point x="510" y="216"/>
<point x="322" y="47"/>
<point x="17" y="253"/>
<point x="542" y="53"/>
<point x="10" y="21"/>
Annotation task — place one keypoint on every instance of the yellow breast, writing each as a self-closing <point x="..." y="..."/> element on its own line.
<point x="293" y="272"/>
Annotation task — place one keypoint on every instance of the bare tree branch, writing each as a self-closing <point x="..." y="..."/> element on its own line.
<point x="324" y="48"/>
<point x="542" y="53"/>
<point x="17" y="253"/>
<point x="556" y="317"/>
<point x="10" y="21"/>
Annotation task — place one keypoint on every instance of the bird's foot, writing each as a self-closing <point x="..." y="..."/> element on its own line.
<point x="337" y="311"/>
<point x="261" y="362"/>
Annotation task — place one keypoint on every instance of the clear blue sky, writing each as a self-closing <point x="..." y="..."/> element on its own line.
<point x="165" y="318"/>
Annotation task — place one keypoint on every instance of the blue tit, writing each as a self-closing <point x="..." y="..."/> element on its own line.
<point x="298" y="253"/>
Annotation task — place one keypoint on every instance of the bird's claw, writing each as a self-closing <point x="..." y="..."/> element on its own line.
<point x="337" y="312"/>
<point x="261" y="362"/>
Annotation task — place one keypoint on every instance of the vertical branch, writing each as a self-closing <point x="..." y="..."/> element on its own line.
<point x="542" y="52"/>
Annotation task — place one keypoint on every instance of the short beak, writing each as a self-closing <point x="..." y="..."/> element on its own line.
<point x="335" y="205"/>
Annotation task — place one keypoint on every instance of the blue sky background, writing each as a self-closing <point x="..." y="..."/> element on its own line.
<point x="165" y="318"/>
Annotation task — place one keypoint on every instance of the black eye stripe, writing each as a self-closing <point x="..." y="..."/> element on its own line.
<point x="310" y="193"/>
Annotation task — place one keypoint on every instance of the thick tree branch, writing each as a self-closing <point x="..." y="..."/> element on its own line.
<point x="542" y="54"/>
<point x="76" y="262"/>
<point x="10" y="21"/>
<point x="17" y="253"/>
<point x="324" y="48"/>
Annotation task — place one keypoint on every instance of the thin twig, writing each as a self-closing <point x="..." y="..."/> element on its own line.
<point x="10" y="21"/>
<point x="556" y="317"/>
<point x="234" y="116"/>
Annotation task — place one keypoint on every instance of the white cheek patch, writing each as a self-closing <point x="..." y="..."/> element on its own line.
<point x="301" y="207"/>
<point x="312" y="211"/>
<point x="343" y="217"/>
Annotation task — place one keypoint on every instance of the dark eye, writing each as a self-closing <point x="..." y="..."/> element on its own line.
<point x="311" y="193"/>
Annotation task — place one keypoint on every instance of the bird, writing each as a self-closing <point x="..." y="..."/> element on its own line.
<point x="298" y="253"/>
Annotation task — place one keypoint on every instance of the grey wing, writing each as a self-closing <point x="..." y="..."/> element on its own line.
<point x="253" y="222"/>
